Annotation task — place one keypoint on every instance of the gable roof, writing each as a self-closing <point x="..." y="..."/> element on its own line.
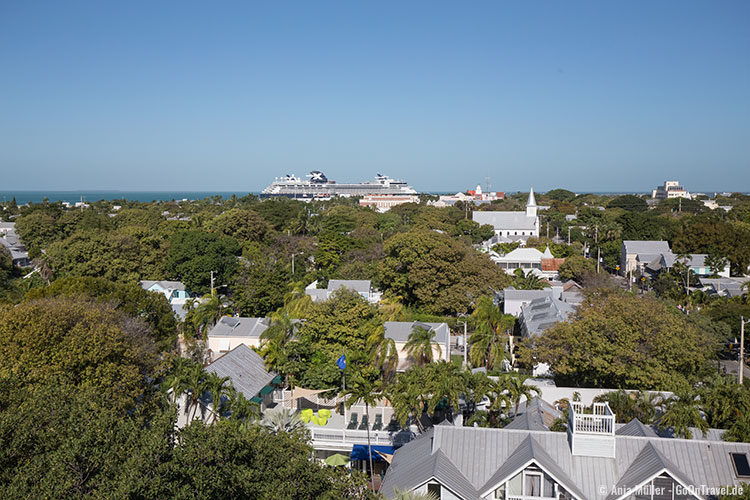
<point x="245" y="368"/>
<point x="164" y="284"/>
<point x="530" y="451"/>
<point x="233" y="326"/>
<point x="511" y="293"/>
<point x="399" y="331"/>
<point x="505" y="220"/>
<point x="480" y="453"/>
<point x="653" y="248"/>
<point x="648" y="464"/>
<point x="359" y="286"/>
<point x="636" y="428"/>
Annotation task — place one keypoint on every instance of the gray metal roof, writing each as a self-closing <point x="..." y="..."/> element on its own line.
<point x="648" y="464"/>
<point x="536" y="414"/>
<point x="505" y="220"/>
<point x="479" y="453"/>
<point x="543" y="313"/>
<point x="399" y="331"/>
<point x="245" y="368"/>
<point x="239" y="327"/>
<point x="529" y="450"/>
<point x="636" y="428"/>
<point x="359" y="286"/>
<point x="511" y="293"/>
<point x="646" y="247"/>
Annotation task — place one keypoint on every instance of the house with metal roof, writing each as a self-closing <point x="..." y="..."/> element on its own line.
<point x="17" y="249"/>
<point x="513" y="299"/>
<point x="231" y="331"/>
<point x="362" y="287"/>
<point x="510" y="224"/>
<point x="246" y="370"/>
<point x="589" y="461"/>
<point x="543" y="313"/>
<point x="654" y="256"/>
<point x="400" y="331"/>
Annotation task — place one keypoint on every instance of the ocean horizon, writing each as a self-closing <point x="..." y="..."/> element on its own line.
<point x="74" y="196"/>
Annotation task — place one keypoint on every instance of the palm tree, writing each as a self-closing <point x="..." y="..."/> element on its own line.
<point x="297" y="303"/>
<point x="683" y="412"/>
<point x="282" y="420"/>
<point x="188" y="378"/>
<point x="413" y="495"/>
<point x="527" y="281"/>
<point x="207" y="313"/>
<point x="384" y="356"/>
<point x="241" y="409"/>
<point x="517" y="390"/>
<point x="489" y="337"/>
<point x="367" y="392"/>
<point x="217" y="387"/>
<point x="420" y="346"/>
<point x="274" y="339"/>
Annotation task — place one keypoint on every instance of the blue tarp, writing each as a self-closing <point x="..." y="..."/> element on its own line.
<point x="359" y="452"/>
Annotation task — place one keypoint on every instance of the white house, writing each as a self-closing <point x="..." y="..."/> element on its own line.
<point x="229" y="332"/>
<point x="596" y="459"/>
<point x="399" y="331"/>
<point x="508" y="224"/>
<point x="362" y="287"/>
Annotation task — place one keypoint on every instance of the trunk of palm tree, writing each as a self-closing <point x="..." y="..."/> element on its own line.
<point x="369" y="447"/>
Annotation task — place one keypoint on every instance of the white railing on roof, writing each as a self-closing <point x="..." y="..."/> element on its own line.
<point x="600" y="421"/>
<point x="344" y="436"/>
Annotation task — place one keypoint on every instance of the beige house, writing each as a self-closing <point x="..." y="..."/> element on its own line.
<point x="399" y="331"/>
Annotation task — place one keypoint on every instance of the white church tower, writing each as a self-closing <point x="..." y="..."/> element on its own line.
<point x="531" y="204"/>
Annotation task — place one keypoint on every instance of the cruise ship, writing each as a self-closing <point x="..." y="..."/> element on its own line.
<point x="317" y="186"/>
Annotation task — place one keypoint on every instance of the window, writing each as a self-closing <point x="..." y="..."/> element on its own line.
<point x="533" y="484"/>
<point x="433" y="488"/>
<point x="741" y="466"/>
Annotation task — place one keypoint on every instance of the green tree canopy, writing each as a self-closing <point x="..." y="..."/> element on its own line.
<point x="433" y="271"/>
<point x="194" y="254"/>
<point x="619" y="340"/>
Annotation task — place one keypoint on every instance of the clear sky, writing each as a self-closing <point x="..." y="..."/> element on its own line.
<point x="592" y="96"/>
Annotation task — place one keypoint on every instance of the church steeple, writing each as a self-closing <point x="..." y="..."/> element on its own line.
<point x="531" y="204"/>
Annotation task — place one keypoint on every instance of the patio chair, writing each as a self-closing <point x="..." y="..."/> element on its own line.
<point x="364" y="424"/>
<point x="353" y="422"/>
<point x="324" y="413"/>
<point x="378" y="425"/>
<point x="306" y="415"/>
<point x="317" y="420"/>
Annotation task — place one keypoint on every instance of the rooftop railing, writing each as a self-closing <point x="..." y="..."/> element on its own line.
<point x="600" y="421"/>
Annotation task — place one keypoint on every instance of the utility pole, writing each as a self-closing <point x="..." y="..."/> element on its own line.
<point x="742" y="349"/>
<point x="466" y="344"/>
<point x="568" y="235"/>
<point x="598" y="254"/>
<point x="212" y="284"/>
<point x="293" y="254"/>
<point x="547" y="229"/>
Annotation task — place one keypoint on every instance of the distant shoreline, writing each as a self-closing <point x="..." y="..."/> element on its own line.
<point x="26" y="196"/>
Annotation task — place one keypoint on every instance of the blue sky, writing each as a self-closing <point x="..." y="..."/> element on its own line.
<point x="591" y="96"/>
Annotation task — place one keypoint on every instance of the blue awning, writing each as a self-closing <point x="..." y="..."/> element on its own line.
<point x="359" y="452"/>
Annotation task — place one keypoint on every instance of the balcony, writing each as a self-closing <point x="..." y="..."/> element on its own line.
<point x="591" y="434"/>
<point x="600" y="421"/>
<point x="335" y="434"/>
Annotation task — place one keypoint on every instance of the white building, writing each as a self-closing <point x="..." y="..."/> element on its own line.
<point x="362" y="287"/>
<point x="384" y="202"/>
<point x="508" y="224"/>
<point x="230" y="332"/>
<point x="400" y="331"/>
<point x="670" y="189"/>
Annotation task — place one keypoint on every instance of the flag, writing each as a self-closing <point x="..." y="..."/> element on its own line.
<point x="341" y="361"/>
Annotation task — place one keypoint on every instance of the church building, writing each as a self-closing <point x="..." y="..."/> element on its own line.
<point x="512" y="225"/>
